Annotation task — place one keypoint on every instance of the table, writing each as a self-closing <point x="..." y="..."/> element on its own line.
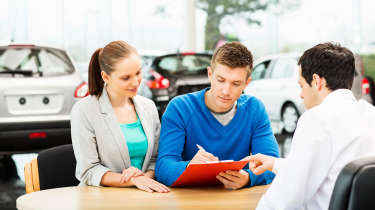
<point x="132" y="198"/>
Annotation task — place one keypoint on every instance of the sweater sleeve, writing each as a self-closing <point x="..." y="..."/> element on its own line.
<point x="170" y="164"/>
<point x="262" y="141"/>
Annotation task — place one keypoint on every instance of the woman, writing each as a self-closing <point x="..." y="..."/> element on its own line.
<point x="115" y="132"/>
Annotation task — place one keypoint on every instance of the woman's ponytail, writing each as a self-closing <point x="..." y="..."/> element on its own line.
<point x="96" y="83"/>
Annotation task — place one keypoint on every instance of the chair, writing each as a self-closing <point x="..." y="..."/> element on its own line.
<point x="54" y="167"/>
<point x="355" y="186"/>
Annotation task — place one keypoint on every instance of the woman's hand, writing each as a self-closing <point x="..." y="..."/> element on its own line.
<point x="150" y="174"/>
<point x="129" y="173"/>
<point x="149" y="185"/>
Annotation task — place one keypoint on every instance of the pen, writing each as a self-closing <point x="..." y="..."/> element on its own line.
<point x="200" y="147"/>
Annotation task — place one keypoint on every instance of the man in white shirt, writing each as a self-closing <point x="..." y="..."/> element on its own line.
<point x="335" y="130"/>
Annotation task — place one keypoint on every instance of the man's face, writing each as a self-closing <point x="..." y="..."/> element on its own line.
<point x="227" y="85"/>
<point x="309" y="94"/>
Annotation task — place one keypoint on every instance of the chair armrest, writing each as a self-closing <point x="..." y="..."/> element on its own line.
<point x="28" y="178"/>
<point x="35" y="172"/>
<point x="32" y="176"/>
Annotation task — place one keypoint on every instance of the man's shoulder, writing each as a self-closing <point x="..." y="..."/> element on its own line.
<point x="249" y="101"/>
<point x="313" y="116"/>
<point x="189" y="99"/>
<point x="183" y="107"/>
<point x="352" y="113"/>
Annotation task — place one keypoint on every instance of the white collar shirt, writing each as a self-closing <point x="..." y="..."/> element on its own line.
<point x="328" y="136"/>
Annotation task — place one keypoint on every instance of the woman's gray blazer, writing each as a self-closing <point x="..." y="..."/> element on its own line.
<point x="98" y="142"/>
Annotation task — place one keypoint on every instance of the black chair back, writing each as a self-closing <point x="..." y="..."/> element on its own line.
<point x="355" y="186"/>
<point x="56" y="167"/>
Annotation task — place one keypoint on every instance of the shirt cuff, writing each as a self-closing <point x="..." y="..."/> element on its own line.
<point x="278" y="164"/>
<point x="151" y="166"/>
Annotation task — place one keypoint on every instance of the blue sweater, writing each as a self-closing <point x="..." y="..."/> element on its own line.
<point x="187" y="121"/>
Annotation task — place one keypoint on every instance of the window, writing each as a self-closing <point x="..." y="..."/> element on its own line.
<point x="260" y="70"/>
<point x="284" y="68"/>
<point x="39" y="61"/>
<point x="185" y="64"/>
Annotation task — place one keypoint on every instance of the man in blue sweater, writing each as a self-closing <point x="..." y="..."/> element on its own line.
<point x="227" y="124"/>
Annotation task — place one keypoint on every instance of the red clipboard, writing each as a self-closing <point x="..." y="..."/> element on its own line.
<point x="205" y="174"/>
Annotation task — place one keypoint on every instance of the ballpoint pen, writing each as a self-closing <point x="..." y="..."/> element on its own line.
<point x="200" y="147"/>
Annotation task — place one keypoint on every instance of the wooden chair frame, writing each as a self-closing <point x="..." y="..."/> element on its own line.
<point x="32" y="176"/>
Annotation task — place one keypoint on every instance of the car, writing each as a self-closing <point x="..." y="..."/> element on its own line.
<point x="175" y="74"/>
<point x="370" y="88"/>
<point x="275" y="83"/>
<point x="38" y="87"/>
<point x="147" y="57"/>
<point x="83" y="69"/>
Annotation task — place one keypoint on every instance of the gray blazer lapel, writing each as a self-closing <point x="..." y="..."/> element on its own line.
<point x="146" y="120"/>
<point x="113" y="125"/>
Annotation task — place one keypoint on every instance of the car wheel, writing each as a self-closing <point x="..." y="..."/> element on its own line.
<point x="289" y="118"/>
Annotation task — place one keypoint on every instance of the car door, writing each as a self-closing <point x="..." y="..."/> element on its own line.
<point x="281" y="85"/>
<point x="259" y="82"/>
<point x="274" y="81"/>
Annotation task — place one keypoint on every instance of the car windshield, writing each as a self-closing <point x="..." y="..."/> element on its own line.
<point x="184" y="64"/>
<point x="147" y="60"/>
<point x="34" y="61"/>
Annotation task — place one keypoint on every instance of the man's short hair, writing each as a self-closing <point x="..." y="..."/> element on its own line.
<point x="332" y="62"/>
<point x="233" y="55"/>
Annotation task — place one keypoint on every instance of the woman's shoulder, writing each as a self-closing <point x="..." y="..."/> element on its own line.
<point x="144" y="100"/>
<point x="85" y="104"/>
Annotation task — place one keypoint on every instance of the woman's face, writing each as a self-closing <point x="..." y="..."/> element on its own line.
<point x="126" y="77"/>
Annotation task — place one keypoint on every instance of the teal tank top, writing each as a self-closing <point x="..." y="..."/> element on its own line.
<point x="136" y="141"/>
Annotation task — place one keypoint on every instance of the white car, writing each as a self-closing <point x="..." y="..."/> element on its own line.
<point x="275" y="83"/>
<point x="38" y="87"/>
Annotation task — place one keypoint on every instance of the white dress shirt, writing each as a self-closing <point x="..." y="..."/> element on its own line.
<point x="328" y="136"/>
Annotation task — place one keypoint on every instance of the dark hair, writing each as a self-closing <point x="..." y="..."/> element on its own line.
<point x="233" y="55"/>
<point x="104" y="59"/>
<point x="330" y="61"/>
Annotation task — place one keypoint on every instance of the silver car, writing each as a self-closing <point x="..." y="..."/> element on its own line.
<point x="275" y="83"/>
<point x="38" y="87"/>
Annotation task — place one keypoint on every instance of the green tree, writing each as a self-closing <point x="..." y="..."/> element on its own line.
<point x="218" y="9"/>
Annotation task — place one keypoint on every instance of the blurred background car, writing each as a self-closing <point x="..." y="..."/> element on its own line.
<point x="83" y="69"/>
<point x="38" y="87"/>
<point x="275" y="83"/>
<point x="175" y="74"/>
<point x="371" y="88"/>
<point x="147" y="57"/>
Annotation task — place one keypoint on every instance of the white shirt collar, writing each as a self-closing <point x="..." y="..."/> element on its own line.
<point x="338" y="95"/>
